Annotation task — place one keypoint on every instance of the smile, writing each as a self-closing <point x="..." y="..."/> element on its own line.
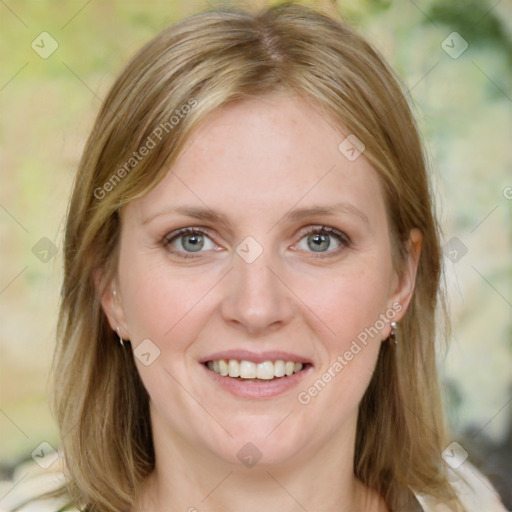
<point x="242" y="369"/>
<point x="250" y="380"/>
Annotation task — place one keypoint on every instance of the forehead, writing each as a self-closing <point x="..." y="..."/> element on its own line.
<point x="265" y="154"/>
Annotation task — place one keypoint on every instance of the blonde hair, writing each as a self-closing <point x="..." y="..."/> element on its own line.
<point x="205" y="61"/>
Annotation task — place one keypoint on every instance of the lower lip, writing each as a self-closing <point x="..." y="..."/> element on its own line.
<point x="257" y="389"/>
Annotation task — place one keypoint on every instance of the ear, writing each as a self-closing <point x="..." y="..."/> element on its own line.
<point x="111" y="303"/>
<point x="402" y="287"/>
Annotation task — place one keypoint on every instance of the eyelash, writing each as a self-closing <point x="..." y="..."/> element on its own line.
<point x="320" y="230"/>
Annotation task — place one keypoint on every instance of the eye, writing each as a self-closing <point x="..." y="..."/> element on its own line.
<point x="319" y="239"/>
<point x="187" y="241"/>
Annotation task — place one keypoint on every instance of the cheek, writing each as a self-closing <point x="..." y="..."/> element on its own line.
<point x="348" y="302"/>
<point x="348" y="311"/>
<point x="164" y="303"/>
<point x="160" y="303"/>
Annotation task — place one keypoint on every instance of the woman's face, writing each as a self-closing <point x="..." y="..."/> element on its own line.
<point x="264" y="284"/>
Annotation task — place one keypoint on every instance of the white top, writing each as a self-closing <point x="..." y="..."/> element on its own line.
<point x="30" y="480"/>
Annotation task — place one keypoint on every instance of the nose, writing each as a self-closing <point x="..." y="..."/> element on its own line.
<point x="257" y="297"/>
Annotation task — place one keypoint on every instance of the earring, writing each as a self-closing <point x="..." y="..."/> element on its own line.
<point x="120" y="339"/>
<point x="392" y="335"/>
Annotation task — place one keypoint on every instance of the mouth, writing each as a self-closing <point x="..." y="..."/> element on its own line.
<point x="250" y="375"/>
<point x="250" y="371"/>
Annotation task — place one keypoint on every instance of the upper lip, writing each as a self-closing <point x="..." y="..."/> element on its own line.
<point x="255" y="357"/>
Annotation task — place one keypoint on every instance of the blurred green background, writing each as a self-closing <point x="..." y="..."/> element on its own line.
<point x="463" y="104"/>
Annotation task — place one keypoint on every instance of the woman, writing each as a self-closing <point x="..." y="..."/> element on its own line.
<point x="252" y="269"/>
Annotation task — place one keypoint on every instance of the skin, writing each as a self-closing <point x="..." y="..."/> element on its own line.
<point x="254" y="161"/>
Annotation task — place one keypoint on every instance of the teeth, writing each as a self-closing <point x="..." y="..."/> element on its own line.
<point x="223" y="367"/>
<point x="234" y="368"/>
<point x="249" y="370"/>
<point x="279" y="368"/>
<point x="265" y="370"/>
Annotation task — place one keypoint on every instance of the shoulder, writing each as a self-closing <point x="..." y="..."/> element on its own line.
<point x="474" y="490"/>
<point x="22" y="492"/>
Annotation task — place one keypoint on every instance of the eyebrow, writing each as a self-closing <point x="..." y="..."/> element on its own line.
<point x="292" y="216"/>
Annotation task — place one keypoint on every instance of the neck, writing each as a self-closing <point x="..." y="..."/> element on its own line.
<point x="188" y="479"/>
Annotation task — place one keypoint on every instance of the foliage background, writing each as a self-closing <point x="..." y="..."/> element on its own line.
<point x="464" y="109"/>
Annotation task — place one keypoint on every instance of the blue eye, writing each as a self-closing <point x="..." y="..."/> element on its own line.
<point x="320" y="238"/>
<point x="187" y="241"/>
<point x="192" y="240"/>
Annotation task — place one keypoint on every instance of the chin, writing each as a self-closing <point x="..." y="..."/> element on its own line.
<point x="262" y="446"/>
<point x="259" y="453"/>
